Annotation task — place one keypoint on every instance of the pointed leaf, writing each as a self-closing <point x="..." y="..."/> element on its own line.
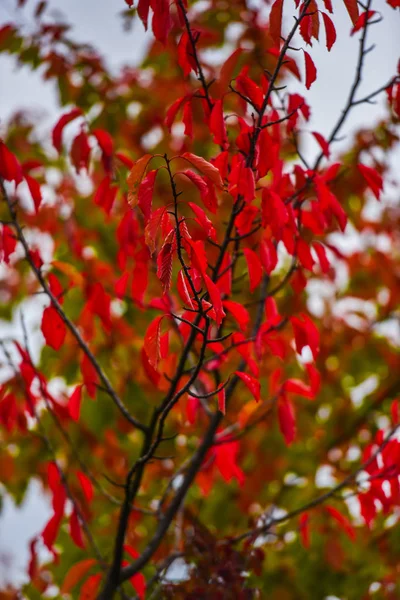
<point x="135" y="178"/>
<point x="61" y="123"/>
<point x="53" y="328"/>
<point x="252" y="384"/>
<point x="204" y="167"/>
<point x="311" y="71"/>
<point x="254" y="268"/>
<point x="76" y="574"/>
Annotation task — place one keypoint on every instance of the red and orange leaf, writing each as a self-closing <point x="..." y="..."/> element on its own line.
<point x="352" y="9"/>
<point x="135" y="178"/>
<point x="205" y="167"/>
<point x="76" y="574"/>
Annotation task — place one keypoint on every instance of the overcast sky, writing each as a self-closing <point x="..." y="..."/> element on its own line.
<point x="99" y="22"/>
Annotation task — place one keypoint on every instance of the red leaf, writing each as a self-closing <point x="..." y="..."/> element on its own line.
<point x="143" y="11"/>
<point x="268" y="255"/>
<point x="249" y="89"/>
<point x="311" y="71"/>
<point x="53" y="328"/>
<point x="342" y="521"/>
<point x="373" y="179"/>
<point x="305" y="530"/>
<point x="80" y="152"/>
<point x="138" y="581"/>
<point x="362" y="21"/>
<point x="121" y="285"/>
<point x="10" y="169"/>
<point x="161" y="23"/>
<point x="145" y="194"/>
<point x="185" y="58"/>
<point x="239" y="312"/>
<point x="306" y="334"/>
<point x="227" y="69"/>
<point x="204" y="167"/>
<point x="323" y="143"/>
<point x="226" y="462"/>
<point x="183" y="289"/>
<point x="330" y="31"/>
<point x="35" y="191"/>
<point x="164" y="263"/>
<point x="203" y="221"/>
<point x="252" y="384"/>
<point x="86" y="485"/>
<point x="287" y="422"/>
<point x="267" y="153"/>
<point x="275" y="22"/>
<point x="304" y="254"/>
<point x="352" y="9"/>
<point x="296" y="386"/>
<point x="33" y="562"/>
<point x="74" y="403"/>
<point x="215" y="298"/>
<point x="90" y="376"/>
<point x="173" y="110"/>
<point x="151" y="341"/>
<point x="49" y="533"/>
<point x="135" y="178"/>
<point x="274" y="212"/>
<point x="306" y="29"/>
<point x="254" y="267"/>
<point x="76" y="530"/>
<point x="8" y="243"/>
<point x="105" y="194"/>
<point x="217" y="125"/>
<point x="56" y="288"/>
<point x="75" y="574"/>
<point x="61" y="123"/>
<point x="105" y="141"/>
<point x="322" y="258"/>
<point x="152" y="228"/>
<point x="187" y="119"/>
<point x="90" y="587"/>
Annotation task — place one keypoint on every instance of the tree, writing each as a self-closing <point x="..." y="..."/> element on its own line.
<point x="187" y="398"/>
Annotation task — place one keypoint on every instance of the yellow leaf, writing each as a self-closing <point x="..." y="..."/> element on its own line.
<point x="70" y="271"/>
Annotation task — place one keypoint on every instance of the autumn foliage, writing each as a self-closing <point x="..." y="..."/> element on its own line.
<point x="173" y="235"/>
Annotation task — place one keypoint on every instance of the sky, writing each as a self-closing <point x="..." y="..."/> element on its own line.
<point x="99" y="22"/>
